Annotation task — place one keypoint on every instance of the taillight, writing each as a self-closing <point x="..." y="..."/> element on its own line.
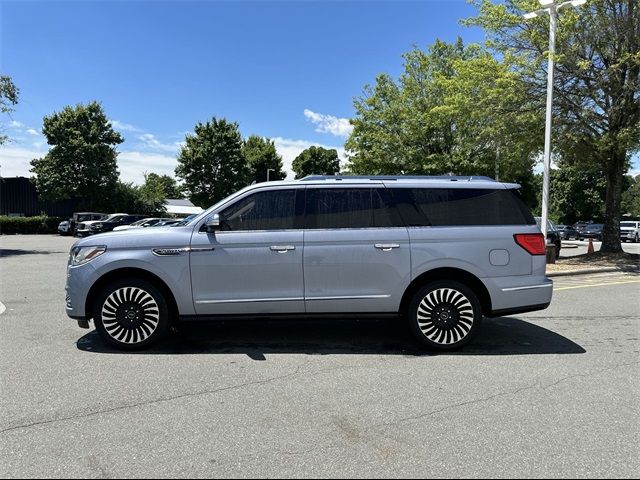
<point x="531" y="242"/>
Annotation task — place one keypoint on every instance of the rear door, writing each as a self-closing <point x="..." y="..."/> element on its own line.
<point x="356" y="250"/>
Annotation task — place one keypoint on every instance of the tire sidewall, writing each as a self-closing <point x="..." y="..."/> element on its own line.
<point x="163" y="322"/>
<point x="422" y="293"/>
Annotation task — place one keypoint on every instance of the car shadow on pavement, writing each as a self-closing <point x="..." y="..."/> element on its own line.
<point x="7" y="252"/>
<point x="257" y="338"/>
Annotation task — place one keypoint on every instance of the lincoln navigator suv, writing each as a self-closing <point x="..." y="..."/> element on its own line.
<point x="437" y="253"/>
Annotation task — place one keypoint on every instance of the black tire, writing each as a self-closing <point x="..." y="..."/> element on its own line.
<point x="131" y="314"/>
<point x="457" y="308"/>
<point x="637" y="239"/>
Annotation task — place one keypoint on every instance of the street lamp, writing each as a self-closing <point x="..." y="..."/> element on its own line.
<point x="552" y="9"/>
<point x="269" y="170"/>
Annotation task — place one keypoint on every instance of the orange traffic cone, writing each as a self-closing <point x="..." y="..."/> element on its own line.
<point x="590" y="247"/>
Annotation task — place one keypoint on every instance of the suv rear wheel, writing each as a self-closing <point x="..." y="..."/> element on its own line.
<point x="444" y="315"/>
<point x="131" y="314"/>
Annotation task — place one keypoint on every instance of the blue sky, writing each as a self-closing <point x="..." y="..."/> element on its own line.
<point x="285" y="70"/>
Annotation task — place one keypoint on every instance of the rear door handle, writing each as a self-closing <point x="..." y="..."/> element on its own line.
<point x="386" y="247"/>
<point x="282" y="248"/>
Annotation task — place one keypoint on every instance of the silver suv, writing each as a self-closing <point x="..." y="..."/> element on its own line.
<point x="439" y="252"/>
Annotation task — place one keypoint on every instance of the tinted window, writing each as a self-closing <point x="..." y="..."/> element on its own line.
<point x="462" y="206"/>
<point x="273" y="210"/>
<point x="349" y="208"/>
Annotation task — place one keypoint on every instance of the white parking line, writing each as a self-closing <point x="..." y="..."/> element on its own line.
<point x="2" y="308"/>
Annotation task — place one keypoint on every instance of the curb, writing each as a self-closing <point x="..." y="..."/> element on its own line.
<point x="586" y="271"/>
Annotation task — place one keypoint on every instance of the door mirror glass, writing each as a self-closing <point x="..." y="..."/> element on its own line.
<point x="213" y="223"/>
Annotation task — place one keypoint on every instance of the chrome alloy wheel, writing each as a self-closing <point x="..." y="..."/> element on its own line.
<point x="445" y="316"/>
<point x="130" y="315"/>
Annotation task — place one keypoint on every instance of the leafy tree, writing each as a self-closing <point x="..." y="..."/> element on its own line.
<point x="631" y="197"/>
<point x="166" y="186"/>
<point x="316" y="161"/>
<point x="455" y="109"/>
<point x="8" y="98"/>
<point x="597" y="101"/>
<point x="211" y="162"/>
<point x="577" y="193"/>
<point x="82" y="159"/>
<point x="260" y="154"/>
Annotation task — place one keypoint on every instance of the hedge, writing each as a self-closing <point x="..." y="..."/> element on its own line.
<point x="41" y="224"/>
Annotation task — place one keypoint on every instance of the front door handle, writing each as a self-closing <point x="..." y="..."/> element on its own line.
<point x="386" y="247"/>
<point x="282" y="248"/>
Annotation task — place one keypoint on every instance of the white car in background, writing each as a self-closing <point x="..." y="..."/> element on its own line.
<point x="145" y="222"/>
<point x="630" y="230"/>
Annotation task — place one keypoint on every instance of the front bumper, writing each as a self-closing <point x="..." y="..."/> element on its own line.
<point x="79" y="281"/>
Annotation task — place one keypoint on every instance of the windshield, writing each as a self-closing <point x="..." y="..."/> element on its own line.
<point x="139" y="222"/>
<point x="185" y="221"/>
<point x="628" y="224"/>
<point x="595" y="226"/>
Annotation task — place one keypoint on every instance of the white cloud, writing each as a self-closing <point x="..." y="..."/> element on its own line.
<point x="151" y="142"/>
<point x="340" y="127"/>
<point x="133" y="165"/>
<point x="290" y="149"/>
<point x="127" y="127"/>
<point x="33" y="131"/>
<point x="15" y="161"/>
<point x="15" y="124"/>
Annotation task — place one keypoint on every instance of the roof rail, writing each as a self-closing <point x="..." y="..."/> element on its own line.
<point x="451" y="178"/>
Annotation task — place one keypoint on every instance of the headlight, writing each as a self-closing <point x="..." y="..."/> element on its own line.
<point x="82" y="255"/>
<point x="96" y="226"/>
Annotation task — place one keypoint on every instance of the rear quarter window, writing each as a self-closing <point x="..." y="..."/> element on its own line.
<point x="462" y="207"/>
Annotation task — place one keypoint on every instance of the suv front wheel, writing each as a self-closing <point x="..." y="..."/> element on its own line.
<point x="131" y="314"/>
<point x="444" y="315"/>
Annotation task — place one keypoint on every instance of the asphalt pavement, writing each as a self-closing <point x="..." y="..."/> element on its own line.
<point x="554" y="393"/>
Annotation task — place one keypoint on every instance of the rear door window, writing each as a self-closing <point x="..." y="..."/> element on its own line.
<point x="330" y="208"/>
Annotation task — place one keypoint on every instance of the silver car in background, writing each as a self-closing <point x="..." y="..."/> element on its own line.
<point x="438" y="253"/>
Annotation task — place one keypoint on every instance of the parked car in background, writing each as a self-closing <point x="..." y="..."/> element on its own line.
<point x="64" y="227"/>
<point x="581" y="225"/>
<point x="592" y="231"/>
<point x="167" y="223"/>
<point x="630" y="231"/>
<point x="567" y="232"/>
<point x="81" y="217"/>
<point x="553" y="235"/>
<point x="145" y="222"/>
<point x="106" y="224"/>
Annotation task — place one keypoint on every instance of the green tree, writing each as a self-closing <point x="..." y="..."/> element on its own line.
<point x="211" y="162"/>
<point x="166" y="186"/>
<point x="260" y="154"/>
<point x="8" y="98"/>
<point x="82" y="159"/>
<point x="316" y="161"/>
<point x="577" y="193"/>
<point x="455" y="109"/>
<point x="597" y="101"/>
<point x="631" y="197"/>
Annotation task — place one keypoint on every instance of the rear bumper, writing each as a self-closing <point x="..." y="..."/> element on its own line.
<point x="518" y="294"/>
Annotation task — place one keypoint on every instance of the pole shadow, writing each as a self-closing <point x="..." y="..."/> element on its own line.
<point x="257" y="338"/>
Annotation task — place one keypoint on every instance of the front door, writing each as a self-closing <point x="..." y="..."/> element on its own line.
<point x="253" y="264"/>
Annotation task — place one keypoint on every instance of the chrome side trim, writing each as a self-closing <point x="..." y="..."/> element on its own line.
<point x="251" y="300"/>
<point x="350" y="297"/>
<point x="169" y="252"/>
<point x="529" y="287"/>
<point x="202" y="249"/>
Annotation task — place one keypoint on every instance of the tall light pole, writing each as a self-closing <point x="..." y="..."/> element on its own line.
<point x="269" y="170"/>
<point x="552" y="9"/>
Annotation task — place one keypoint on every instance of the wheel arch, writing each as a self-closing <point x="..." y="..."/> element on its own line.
<point x="130" y="272"/>
<point x="448" y="273"/>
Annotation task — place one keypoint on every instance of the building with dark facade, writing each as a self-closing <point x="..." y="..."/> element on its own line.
<point x="19" y="197"/>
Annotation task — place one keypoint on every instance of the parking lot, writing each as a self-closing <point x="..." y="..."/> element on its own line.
<point x="550" y="393"/>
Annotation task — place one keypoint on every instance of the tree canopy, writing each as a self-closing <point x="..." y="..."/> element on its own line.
<point x="211" y="162"/>
<point x="8" y="99"/>
<point x="316" y="161"/>
<point x="261" y="155"/>
<point x="82" y="159"/>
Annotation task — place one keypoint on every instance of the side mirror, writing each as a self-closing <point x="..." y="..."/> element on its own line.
<point x="213" y="223"/>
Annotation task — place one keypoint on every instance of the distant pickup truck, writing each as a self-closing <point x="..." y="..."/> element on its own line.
<point x="630" y="231"/>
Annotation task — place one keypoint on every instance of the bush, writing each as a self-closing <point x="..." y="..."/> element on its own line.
<point x="29" y="225"/>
